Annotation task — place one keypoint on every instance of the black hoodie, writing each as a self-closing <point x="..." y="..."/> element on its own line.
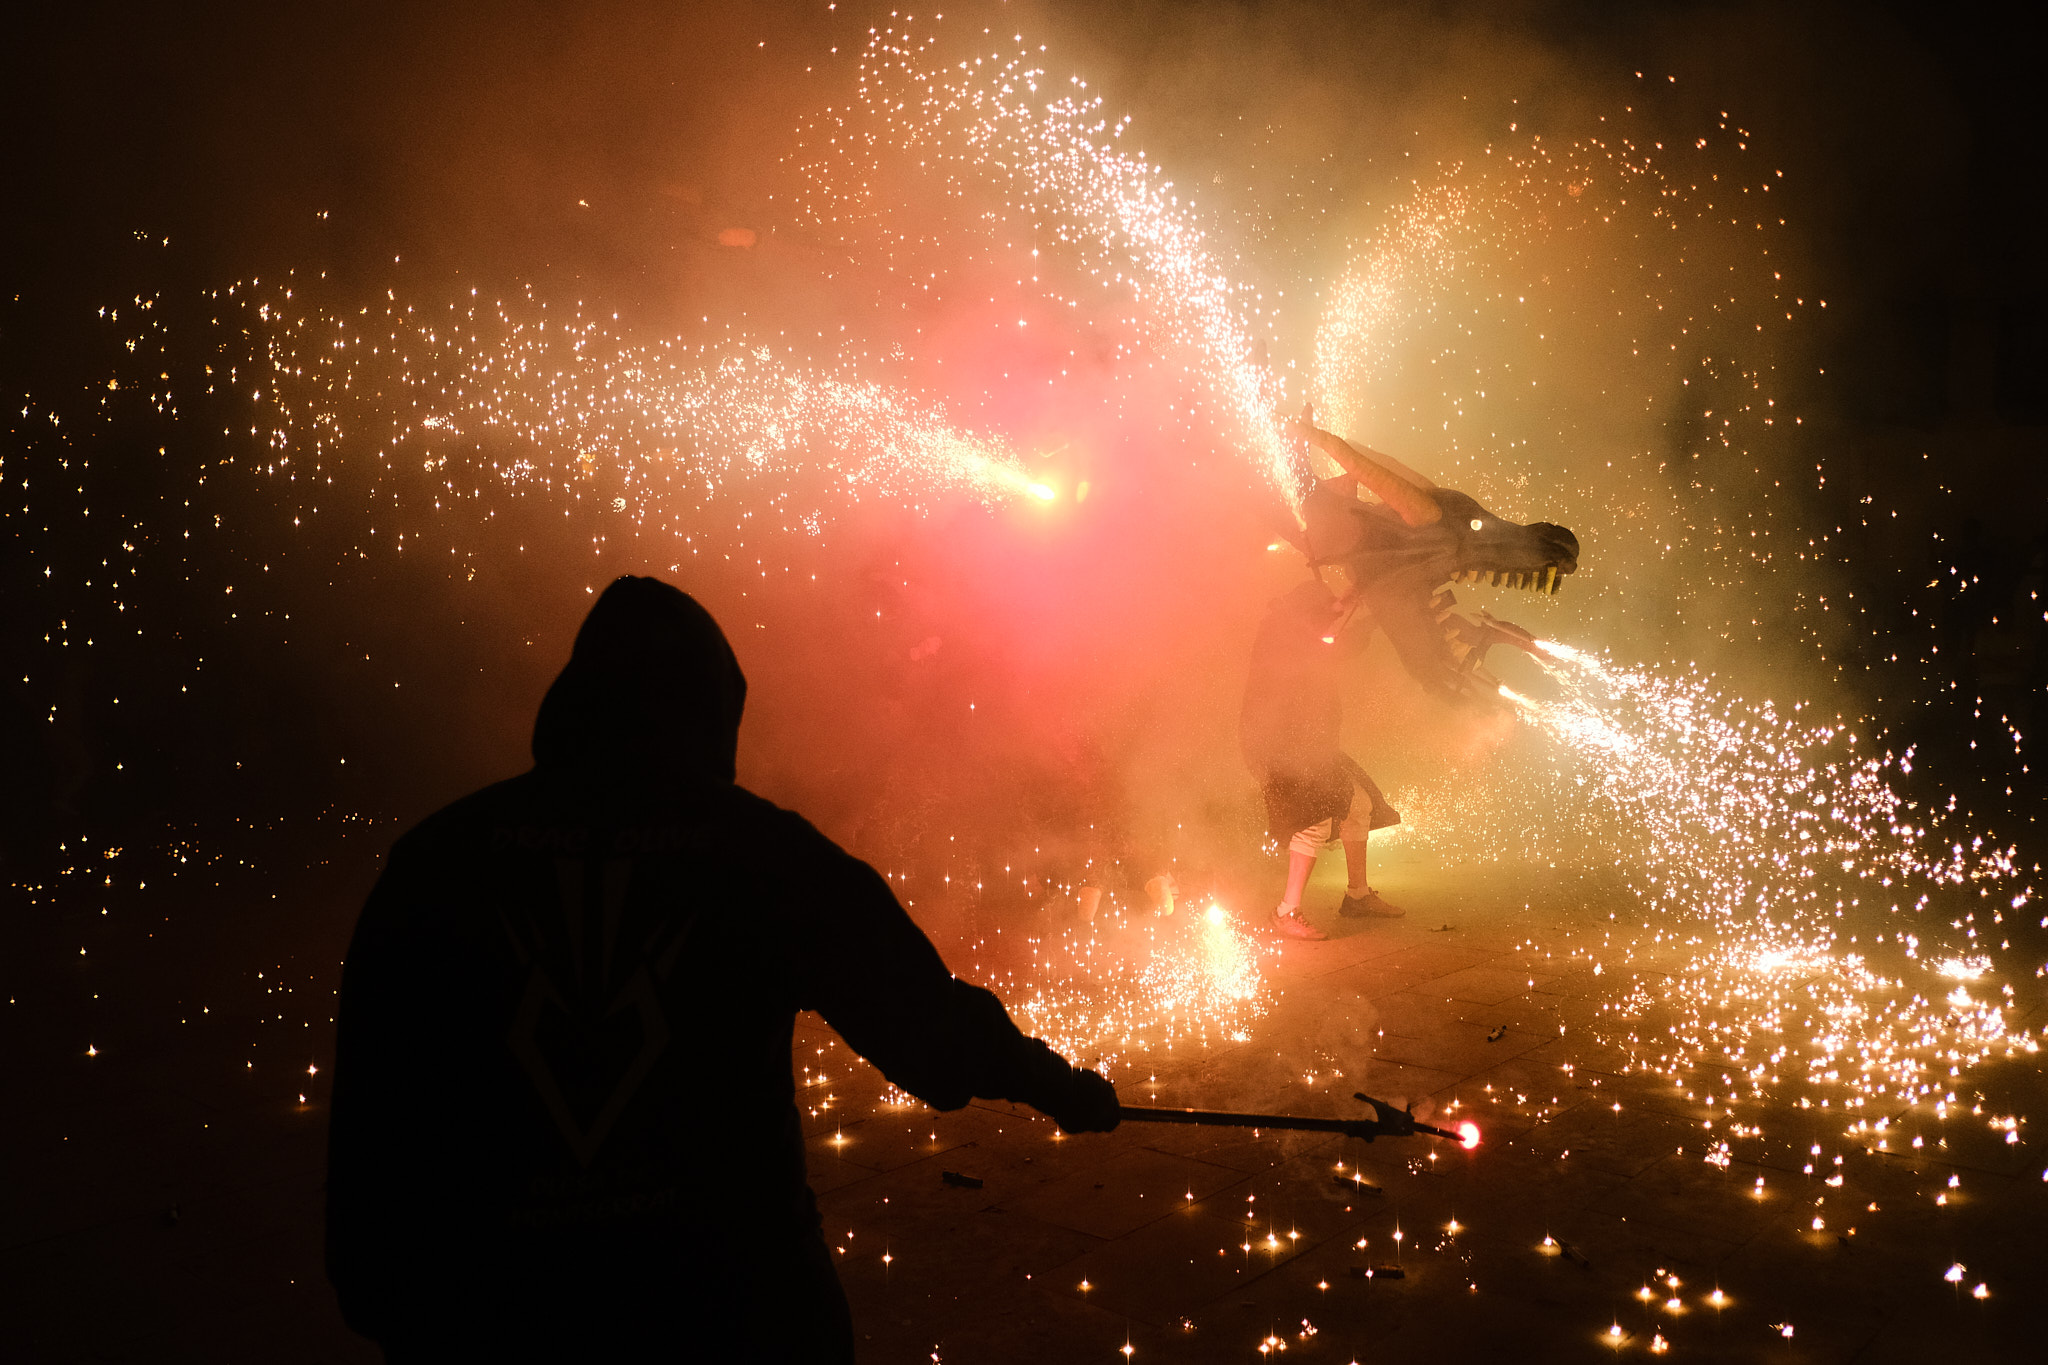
<point x="564" y="1116"/>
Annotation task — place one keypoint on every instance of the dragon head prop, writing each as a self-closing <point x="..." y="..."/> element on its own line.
<point x="1403" y="574"/>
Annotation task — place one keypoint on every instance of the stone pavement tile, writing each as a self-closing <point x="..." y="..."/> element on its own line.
<point x="1626" y="1144"/>
<point x="827" y="1165"/>
<point x="1314" y="1029"/>
<point x="1488" y="929"/>
<point x="1398" y="1083"/>
<point x="1968" y="1143"/>
<point x="1544" y="1013"/>
<point x="1026" y="1328"/>
<point x="1687" y="1194"/>
<point x="1538" y="1075"/>
<point x="1577" y="1052"/>
<point x="1426" y="1033"/>
<point x="827" y="1108"/>
<point x="897" y="1135"/>
<point x="1621" y="1250"/>
<point x="143" y="1288"/>
<point x="949" y="1262"/>
<point x="1491" y="984"/>
<point x="1509" y="1200"/>
<point x="1237" y="1148"/>
<point x="94" y="1160"/>
<point x="1171" y="1268"/>
<point x="1022" y="1149"/>
<point x="1838" y="1300"/>
<point x="1470" y="1296"/>
<point x="302" y="1325"/>
<point x="1430" y="961"/>
<point x="1885" y="1175"/>
<point x="1291" y="1207"/>
<point x="1352" y="945"/>
<point x="94" y="1290"/>
<point x="1126" y="1192"/>
<point x="1429" y="1312"/>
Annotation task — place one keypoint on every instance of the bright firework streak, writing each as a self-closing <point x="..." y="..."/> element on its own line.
<point x="565" y="402"/>
<point x="1056" y="163"/>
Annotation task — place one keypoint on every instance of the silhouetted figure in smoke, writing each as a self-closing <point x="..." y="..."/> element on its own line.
<point x="1387" y="566"/>
<point x="1289" y="728"/>
<point x="564" y="1118"/>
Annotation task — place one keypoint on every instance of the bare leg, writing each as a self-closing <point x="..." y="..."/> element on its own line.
<point x="1359" y="897"/>
<point x="1299" y="865"/>
<point x="1354" y="867"/>
<point x="1356" y="829"/>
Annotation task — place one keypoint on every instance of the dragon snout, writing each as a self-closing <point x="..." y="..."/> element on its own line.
<point x="1560" y="546"/>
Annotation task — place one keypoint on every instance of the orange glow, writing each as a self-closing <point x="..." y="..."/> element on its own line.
<point x="1468" y="1135"/>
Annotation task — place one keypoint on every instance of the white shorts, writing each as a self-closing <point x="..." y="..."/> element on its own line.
<point x="1356" y="824"/>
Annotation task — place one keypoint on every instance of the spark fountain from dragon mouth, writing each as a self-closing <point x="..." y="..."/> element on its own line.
<point x="1757" y="842"/>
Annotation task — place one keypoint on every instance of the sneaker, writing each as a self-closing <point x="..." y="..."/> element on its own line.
<point x="1290" y="923"/>
<point x="1370" y="905"/>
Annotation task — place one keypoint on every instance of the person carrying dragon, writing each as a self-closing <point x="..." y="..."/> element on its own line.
<point x="1385" y="564"/>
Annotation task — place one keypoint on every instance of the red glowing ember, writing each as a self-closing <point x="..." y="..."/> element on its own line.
<point x="1468" y="1135"/>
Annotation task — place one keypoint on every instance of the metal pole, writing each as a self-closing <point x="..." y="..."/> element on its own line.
<point x="1219" y="1118"/>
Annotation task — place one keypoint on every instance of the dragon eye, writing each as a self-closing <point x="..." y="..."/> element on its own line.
<point x="1476" y="523"/>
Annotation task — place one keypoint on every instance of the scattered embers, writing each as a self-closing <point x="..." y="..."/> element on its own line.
<point x="1355" y="1185"/>
<point x="1378" y="1272"/>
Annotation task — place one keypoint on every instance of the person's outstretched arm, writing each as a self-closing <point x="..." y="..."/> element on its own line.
<point x="875" y="977"/>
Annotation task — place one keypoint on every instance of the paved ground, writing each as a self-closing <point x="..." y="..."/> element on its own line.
<point x="159" y="1206"/>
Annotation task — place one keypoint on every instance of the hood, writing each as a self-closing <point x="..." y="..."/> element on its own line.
<point x="651" y="689"/>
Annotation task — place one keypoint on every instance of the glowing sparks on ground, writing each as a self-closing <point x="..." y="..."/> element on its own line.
<point x="1118" y="995"/>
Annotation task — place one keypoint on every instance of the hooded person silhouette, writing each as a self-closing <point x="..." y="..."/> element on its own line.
<point x="564" y="1120"/>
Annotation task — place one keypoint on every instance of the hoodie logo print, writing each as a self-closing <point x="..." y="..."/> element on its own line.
<point x="588" y="1042"/>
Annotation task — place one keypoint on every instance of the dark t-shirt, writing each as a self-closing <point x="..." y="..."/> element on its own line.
<point x="564" y="1108"/>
